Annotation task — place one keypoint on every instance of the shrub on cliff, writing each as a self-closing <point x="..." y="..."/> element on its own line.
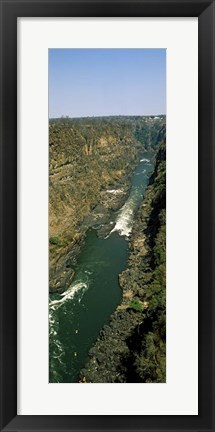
<point x="55" y="241"/>
<point x="136" y="305"/>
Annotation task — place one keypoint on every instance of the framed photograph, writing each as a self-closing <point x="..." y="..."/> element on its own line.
<point x="107" y="208"/>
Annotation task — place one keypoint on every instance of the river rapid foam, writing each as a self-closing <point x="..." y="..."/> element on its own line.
<point x="70" y="293"/>
<point x="124" y="220"/>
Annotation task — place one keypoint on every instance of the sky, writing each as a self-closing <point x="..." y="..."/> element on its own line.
<point x="103" y="82"/>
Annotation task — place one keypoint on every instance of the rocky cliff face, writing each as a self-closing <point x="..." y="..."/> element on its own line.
<point x="89" y="158"/>
<point x="132" y="347"/>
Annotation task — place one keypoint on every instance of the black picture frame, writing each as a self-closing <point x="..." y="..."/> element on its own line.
<point x="10" y="11"/>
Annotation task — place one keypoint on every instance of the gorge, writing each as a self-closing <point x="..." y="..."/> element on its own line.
<point x="107" y="249"/>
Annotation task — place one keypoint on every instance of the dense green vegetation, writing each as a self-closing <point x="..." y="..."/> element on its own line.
<point x="132" y="348"/>
<point x="146" y="360"/>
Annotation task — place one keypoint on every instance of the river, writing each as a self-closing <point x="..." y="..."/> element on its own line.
<point x="77" y="315"/>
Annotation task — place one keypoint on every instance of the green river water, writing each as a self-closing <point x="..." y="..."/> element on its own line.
<point x="77" y="315"/>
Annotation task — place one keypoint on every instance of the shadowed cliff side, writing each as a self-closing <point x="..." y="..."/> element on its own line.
<point x="132" y="347"/>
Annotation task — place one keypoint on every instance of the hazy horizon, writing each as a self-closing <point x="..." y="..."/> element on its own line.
<point x="106" y="115"/>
